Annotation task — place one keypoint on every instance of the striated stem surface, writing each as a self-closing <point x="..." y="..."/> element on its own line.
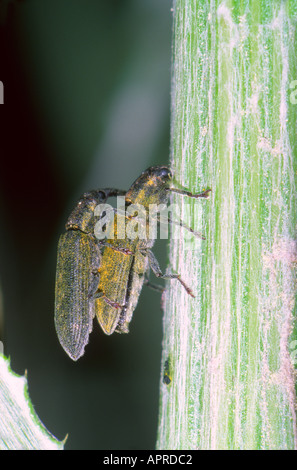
<point x="229" y="354"/>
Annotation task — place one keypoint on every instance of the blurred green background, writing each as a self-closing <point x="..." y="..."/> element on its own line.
<point x="86" y="105"/>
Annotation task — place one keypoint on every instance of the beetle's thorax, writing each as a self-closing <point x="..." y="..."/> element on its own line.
<point x="150" y="188"/>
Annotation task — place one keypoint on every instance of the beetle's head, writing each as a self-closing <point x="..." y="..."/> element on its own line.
<point x="161" y="173"/>
<point x="151" y="187"/>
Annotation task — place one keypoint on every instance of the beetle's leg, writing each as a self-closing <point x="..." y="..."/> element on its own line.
<point x="204" y="194"/>
<point x="121" y="249"/>
<point x="93" y="284"/>
<point x="112" y="303"/>
<point x="156" y="287"/>
<point x="144" y="251"/>
<point x="158" y="273"/>
<point x="181" y="224"/>
<point x="100" y="295"/>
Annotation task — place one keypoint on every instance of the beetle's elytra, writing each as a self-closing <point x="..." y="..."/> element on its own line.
<point x="105" y="278"/>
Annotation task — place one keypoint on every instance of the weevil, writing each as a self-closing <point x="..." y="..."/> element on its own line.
<point x="77" y="277"/>
<point x="105" y="278"/>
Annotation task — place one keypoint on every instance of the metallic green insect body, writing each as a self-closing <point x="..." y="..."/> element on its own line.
<point x="77" y="275"/>
<point x="105" y="278"/>
<point x="125" y="262"/>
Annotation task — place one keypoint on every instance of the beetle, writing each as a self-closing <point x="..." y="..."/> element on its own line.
<point x="77" y="278"/>
<point x="105" y="277"/>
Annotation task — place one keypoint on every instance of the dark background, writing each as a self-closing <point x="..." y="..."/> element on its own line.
<point x="86" y="105"/>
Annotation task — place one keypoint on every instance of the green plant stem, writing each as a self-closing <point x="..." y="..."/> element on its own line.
<point x="230" y="351"/>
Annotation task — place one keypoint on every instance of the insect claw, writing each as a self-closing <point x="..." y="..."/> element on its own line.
<point x="188" y="290"/>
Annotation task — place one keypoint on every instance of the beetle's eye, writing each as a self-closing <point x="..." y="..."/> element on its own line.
<point x="165" y="173"/>
<point x="102" y="195"/>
